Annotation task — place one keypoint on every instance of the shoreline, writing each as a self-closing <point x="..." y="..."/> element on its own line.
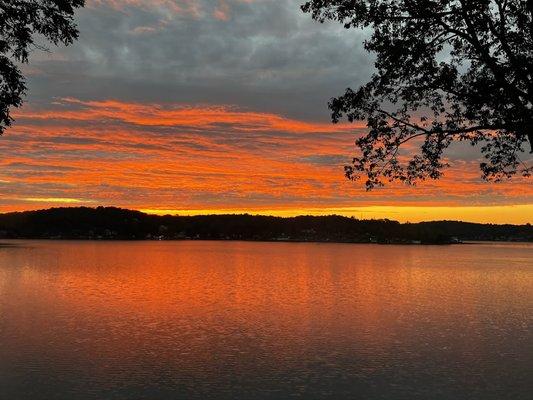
<point x="399" y="243"/>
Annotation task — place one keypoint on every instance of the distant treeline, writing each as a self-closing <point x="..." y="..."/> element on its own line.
<point x="116" y="223"/>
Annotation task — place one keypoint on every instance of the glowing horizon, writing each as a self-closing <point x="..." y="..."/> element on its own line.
<point x="510" y="214"/>
<point x="513" y="214"/>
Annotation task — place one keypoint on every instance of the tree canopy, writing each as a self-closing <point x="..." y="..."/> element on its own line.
<point x="117" y="223"/>
<point x="446" y="70"/>
<point x="20" y="22"/>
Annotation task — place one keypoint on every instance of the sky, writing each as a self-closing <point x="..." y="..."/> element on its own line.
<point x="215" y="106"/>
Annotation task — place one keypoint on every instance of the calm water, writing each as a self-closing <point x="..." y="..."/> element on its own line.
<point x="232" y="320"/>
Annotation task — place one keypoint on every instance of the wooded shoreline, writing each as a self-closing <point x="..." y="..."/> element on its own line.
<point x="111" y="223"/>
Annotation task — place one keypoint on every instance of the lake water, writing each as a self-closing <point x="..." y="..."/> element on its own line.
<point x="236" y="320"/>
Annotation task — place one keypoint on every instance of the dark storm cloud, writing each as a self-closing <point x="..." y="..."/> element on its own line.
<point x="264" y="55"/>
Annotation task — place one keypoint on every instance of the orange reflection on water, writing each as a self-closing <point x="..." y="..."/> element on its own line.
<point x="201" y="310"/>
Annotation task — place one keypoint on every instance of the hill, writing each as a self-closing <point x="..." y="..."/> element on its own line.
<point x="117" y="223"/>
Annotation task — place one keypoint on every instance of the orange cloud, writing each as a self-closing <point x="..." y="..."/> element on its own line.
<point x="199" y="117"/>
<point x="222" y="11"/>
<point x="213" y="158"/>
<point x="189" y="8"/>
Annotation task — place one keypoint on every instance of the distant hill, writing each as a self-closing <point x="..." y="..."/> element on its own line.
<point x="117" y="223"/>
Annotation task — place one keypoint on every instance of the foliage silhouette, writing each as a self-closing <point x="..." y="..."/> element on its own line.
<point x="447" y="70"/>
<point x="20" y="22"/>
<point x="116" y="223"/>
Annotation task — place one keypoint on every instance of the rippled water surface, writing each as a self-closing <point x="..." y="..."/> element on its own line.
<point x="233" y="320"/>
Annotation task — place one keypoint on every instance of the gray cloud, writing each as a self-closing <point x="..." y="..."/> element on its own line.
<point x="326" y="159"/>
<point x="268" y="56"/>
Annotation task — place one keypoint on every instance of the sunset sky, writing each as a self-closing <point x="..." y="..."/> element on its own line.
<point x="215" y="106"/>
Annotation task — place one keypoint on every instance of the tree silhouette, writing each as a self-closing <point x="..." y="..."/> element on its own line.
<point x="20" y="21"/>
<point x="446" y="70"/>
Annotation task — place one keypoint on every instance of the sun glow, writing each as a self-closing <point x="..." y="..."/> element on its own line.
<point x="516" y="214"/>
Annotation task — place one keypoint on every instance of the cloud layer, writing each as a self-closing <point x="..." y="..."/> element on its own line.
<point x="205" y="105"/>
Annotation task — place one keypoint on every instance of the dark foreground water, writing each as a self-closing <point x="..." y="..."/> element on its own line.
<point x="232" y="320"/>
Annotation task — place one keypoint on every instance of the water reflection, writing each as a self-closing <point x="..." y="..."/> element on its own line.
<point x="260" y="320"/>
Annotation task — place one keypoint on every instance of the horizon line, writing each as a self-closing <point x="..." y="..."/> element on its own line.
<point x="495" y="214"/>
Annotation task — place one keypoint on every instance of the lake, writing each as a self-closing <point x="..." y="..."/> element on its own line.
<point x="243" y="320"/>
